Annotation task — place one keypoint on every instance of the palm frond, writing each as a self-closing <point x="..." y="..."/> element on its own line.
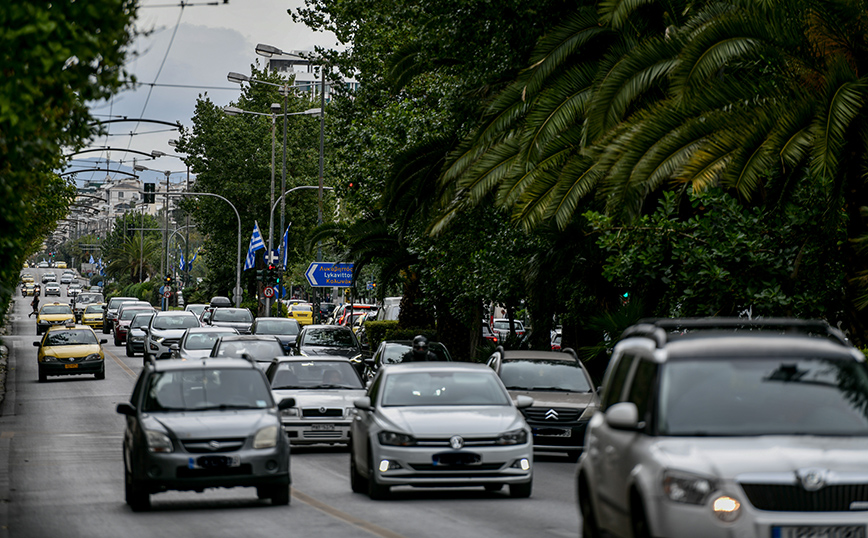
<point x="844" y="98"/>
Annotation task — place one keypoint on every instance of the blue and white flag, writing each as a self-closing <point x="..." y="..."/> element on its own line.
<point x="181" y="263"/>
<point x="255" y="244"/>
<point x="190" y="263"/>
<point x="91" y="259"/>
<point x="284" y="247"/>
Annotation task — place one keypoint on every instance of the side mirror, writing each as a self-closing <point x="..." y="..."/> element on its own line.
<point x="286" y="403"/>
<point x="369" y="361"/>
<point x="523" y="402"/>
<point x="126" y="409"/>
<point x="624" y="416"/>
<point x="174" y="347"/>
<point x="37" y="344"/>
<point x="103" y="341"/>
<point x="364" y="404"/>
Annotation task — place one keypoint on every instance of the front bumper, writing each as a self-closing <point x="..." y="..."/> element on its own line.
<point x="308" y="432"/>
<point x="558" y="437"/>
<point x="136" y="344"/>
<point x="71" y="368"/>
<point x="161" y="350"/>
<point x="497" y="465"/>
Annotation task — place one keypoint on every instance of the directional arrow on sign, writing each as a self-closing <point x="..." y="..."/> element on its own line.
<point x="327" y="275"/>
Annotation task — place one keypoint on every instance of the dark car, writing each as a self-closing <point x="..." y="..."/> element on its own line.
<point x="330" y="340"/>
<point x="211" y="423"/>
<point x="393" y="351"/>
<point x="562" y="391"/>
<point x="259" y="348"/>
<point x="286" y="330"/>
<point x="111" y="311"/>
<point x="136" y="336"/>
<point x="124" y="317"/>
<point x="239" y="319"/>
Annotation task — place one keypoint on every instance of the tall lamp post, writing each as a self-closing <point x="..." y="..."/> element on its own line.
<point x="157" y="154"/>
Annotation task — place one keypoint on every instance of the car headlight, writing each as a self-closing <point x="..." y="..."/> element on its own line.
<point x="687" y="488"/>
<point x="516" y="437"/>
<point x="726" y="508"/>
<point x="93" y="357"/>
<point x="49" y="358"/>
<point x="266" y="437"/>
<point x="396" y="439"/>
<point x="159" y="442"/>
<point x="290" y="412"/>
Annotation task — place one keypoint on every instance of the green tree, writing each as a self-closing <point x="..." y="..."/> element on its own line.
<point x="134" y="260"/>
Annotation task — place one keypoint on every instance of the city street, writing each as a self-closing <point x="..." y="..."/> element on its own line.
<point x="61" y="474"/>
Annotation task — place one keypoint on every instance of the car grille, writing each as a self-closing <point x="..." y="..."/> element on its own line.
<point x="333" y="434"/>
<point x="428" y="467"/>
<point x="795" y="498"/>
<point x="553" y="414"/>
<point x="167" y="342"/>
<point x="485" y="441"/>
<point x="200" y="446"/>
<point x="314" y="412"/>
<point x="243" y="469"/>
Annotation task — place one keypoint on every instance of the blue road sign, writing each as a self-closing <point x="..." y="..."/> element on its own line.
<point x="330" y="275"/>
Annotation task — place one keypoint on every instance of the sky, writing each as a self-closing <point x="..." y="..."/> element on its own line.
<point x="210" y="41"/>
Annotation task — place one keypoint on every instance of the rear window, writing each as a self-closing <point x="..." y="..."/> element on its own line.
<point x="175" y="322"/>
<point x="287" y="327"/>
<point x="231" y="315"/>
<point x="330" y="338"/>
<point x="542" y="375"/>
<point x="206" y="389"/>
<point x="56" y="309"/>
<point x="203" y="340"/>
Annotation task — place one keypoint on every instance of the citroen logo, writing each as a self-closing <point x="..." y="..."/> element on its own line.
<point x="456" y="442"/>
<point x="214" y="445"/>
<point x="551" y="414"/>
<point x="812" y="479"/>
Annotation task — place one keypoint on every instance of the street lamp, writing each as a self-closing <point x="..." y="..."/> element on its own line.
<point x="156" y="154"/>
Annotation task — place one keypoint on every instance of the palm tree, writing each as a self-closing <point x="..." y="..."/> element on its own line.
<point x="134" y="259"/>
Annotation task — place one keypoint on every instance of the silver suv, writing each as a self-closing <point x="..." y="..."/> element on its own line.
<point x="164" y="330"/>
<point x="728" y="427"/>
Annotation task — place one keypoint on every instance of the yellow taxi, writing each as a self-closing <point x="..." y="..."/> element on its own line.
<point x="70" y="350"/>
<point x="60" y="265"/>
<point x="53" y="314"/>
<point x="301" y="312"/>
<point x="28" y="289"/>
<point x="27" y="277"/>
<point x="92" y="316"/>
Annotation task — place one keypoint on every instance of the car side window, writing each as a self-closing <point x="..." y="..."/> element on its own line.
<point x="374" y="391"/>
<point x="612" y="393"/>
<point x="137" y="390"/>
<point x="642" y="388"/>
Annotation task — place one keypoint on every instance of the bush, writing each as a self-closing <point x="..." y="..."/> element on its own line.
<point x="376" y="331"/>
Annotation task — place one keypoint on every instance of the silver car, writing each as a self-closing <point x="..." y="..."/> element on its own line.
<point x="196" y="343"/>
<point x="167" y="328"/>
<point x="324" y="390"/>
<point x="729" y="428"/>
<point x="440" y="424"/>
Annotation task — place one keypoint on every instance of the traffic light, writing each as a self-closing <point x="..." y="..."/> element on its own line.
<point x="260" y="275"/>
<point x="150" y="197"/>
<point x="169" y="280"/>
<point x="273" y="275"/>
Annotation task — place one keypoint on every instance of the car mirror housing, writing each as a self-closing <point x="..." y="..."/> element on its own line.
<point x="286" y="403"/>
<point x="37" y="344"/>
<point x="174" y="347"/>
<point x="523" y="402"/>
<point x="623" y="416"/>
<point x="364" y="404"/>
<point x="126" y="409"/>
<point x="103" y="341"/>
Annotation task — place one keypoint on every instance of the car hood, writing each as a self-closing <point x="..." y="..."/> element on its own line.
<point x="64" y="352"/>
<point x="54" y="317"/>
<point x="320" y="398"/>
<point x="214" y="424"/>
<point x="286" y="339"/>
<point x="470" y="421"/>
<point x="543" y="398"/>
<point x="193" y="354"/>
<point x="728" y="457"/>
<point x="168" y="333"/>
<point x="242" y="326"/>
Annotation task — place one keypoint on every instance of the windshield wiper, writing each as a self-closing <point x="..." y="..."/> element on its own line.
<point x="286" y="387"/>
<point x="553" y="389"/>
<point x="328" y="386"/>
<point x="223" y="407"/>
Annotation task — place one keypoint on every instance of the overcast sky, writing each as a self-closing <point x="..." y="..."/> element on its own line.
<point x="210" y="42"/>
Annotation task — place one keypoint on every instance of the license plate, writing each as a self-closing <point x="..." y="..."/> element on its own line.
<point x="322" y="427"/>
<point x="214" y="462"/>
<point x="838" y="531"/>
<point x="456" y="459"/>
<point x="552" y="432"/>
<point x="70" y="366"/>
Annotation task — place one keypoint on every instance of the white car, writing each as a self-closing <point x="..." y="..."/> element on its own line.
<point x="728" y="427"/>
<point x="52" y="289"/>
<point x="432" y="424"/>
<point x="164" y="330"/>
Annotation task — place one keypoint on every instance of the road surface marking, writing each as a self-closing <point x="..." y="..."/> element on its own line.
<point x="343" y="516"/>
<point x="126" y="368"/>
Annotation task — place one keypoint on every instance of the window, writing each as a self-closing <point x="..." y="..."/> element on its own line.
<point x="642" y="389"/>
<point x="612" y="392"/>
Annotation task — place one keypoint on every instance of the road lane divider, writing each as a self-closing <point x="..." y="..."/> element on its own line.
<point x="123" y="366"/>
<point x="330" y="510"/>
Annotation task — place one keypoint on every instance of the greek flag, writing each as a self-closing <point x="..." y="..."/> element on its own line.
<point x="91" y="259"/>
<point x="190" y="263"/>
<point x="284" y="247"/>
<point x="181" y="263"/>
<point x="255" y="244"/>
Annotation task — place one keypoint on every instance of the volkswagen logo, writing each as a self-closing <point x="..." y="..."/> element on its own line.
<point x="812" y="479"/>
<point x="551" y="414"/>
<point x="214" y="445"/>
<point x="456" y="442"/>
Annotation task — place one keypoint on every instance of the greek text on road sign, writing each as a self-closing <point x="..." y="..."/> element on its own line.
<point x="329" y="274"/>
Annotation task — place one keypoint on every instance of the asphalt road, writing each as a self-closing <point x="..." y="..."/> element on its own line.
<point x="61" y="475"/>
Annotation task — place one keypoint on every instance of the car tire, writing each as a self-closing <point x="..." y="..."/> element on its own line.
<point x="358" y="483"/>
<point x="376" y="491"/>
<point x="521" y="491"/>
<point x="280" y="496"/>
<point x="136" y="496"/>
<point x="639" y="520"/>
<point x="492" y="488"/>
<point x="105" y="329"/>
<point x="590" y="529"/>
<point x="42" y="377"/>
<point x="574" y="455"/>
<point x="117" y="340"/>
<point x="130" y="352"/>
<point x="100" y="374"/>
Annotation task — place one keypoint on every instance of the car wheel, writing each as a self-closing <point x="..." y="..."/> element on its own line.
<point x="100" y="374"/>
<point x="357" y="482"/>
<point x="105" y="329"/>
<point x="42" y="377"/>
<point x="117" y="340"/>
<point x="130" y="351"/>
<point x="573" y="455"/>
<point x="521" y="491"/>
<point x="376" y="491"/>
<point x="136" y="496"/>
<point x="640" y="520"/>
<point x="493" y="487"/>
<point x="589" y="520"/>
<point x="280" y="496"/>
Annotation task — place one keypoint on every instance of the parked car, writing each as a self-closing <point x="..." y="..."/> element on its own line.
<point x="165" y="329"/>
<point x="728" y="427"/>
<point x="212" y="423"/>
<point x="393" y="351"/>
<point x="137" y="335"/>
<point x="286" y="330"/>
<point x="324" y="390"/>
<point x="70" y="350"/>
<point x="239" y="319"/>
<point x="435" y="423"/>
<point x="261" y="349"/>
<point x="562" y="391"/>
<point x="197" y="343"/>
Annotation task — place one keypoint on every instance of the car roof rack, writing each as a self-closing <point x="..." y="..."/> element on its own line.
<point x="661" y="330"/>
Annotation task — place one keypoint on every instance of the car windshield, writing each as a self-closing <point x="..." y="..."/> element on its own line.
<point x="175" y="322"/>
<point x="561" y="376"/>
<point x="196" y="309"/>
<point x="129" y="313"/>
<point x="203" y="340"/>
<point x="329" y="338"/>
<point x="70" y="338"/>
<point x="257" y="349"/>
<point x="93" y="309"/>
<point x="141" y="320"/>
<point x="504" y="325"/>
<point x="301" y="308"/>
<point x="285" y="327"/>
<point x="443" y="388"/>
<point x="762" y="396"/>
<point x="316" y="375"/>
<point x="56" y="309"/>
<point x="89" y="298"/>
<point x="232" y="315"/>
<point x="206" y="389"/>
